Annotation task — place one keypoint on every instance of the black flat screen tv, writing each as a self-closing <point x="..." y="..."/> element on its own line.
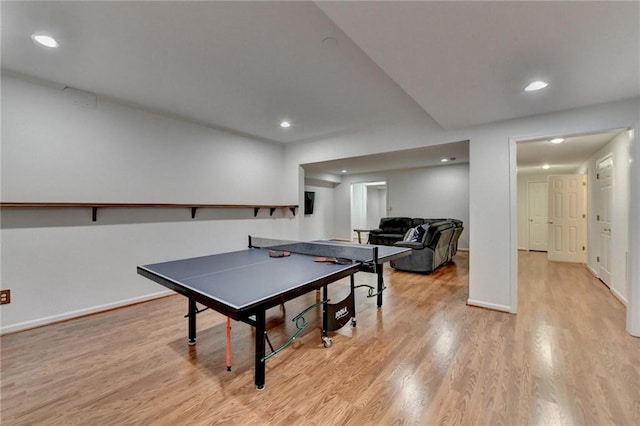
<point x="309" y="198"/>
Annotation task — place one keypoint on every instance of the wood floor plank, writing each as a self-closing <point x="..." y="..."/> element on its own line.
<point x="424" y="358"/>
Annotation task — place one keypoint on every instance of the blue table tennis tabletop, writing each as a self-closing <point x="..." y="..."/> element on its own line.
<point x="243" y="284"/>
<point x="242" y="279"/>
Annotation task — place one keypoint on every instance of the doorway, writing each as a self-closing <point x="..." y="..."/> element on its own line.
<point x="537" y="161"/>
<point x="368" y="205"/>
<point x="605" y="163"/>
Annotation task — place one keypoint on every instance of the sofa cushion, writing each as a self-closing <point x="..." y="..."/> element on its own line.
<point x="395" y="225"/>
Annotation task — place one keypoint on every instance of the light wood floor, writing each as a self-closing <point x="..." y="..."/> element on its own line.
<point x="425" y="358"/>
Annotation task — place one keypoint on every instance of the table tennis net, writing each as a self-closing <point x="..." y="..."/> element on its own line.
<point x="317" y="248"/>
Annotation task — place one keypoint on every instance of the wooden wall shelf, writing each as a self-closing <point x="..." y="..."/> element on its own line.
<point x="193" y="206"/>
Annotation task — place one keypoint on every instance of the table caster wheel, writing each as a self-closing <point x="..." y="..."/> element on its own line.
<point x="354" y="322"/>
<point x="327" y="342"/>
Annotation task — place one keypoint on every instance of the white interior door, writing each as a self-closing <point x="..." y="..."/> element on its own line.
<point x="567" y="218"/>
<point x="538" y="206"/>
<point x="358" y="208"/>
<point x="604" y="178"/>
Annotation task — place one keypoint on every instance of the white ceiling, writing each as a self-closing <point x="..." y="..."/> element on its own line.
<point x="245" y="66"/>
<point x="456" y="153"/>
<point x="466" y="63"/>
<point x="564" y="157"/>
<point x="239" y="66"/>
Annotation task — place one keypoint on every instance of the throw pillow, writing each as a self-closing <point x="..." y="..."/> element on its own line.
<point x="418" y="233"/>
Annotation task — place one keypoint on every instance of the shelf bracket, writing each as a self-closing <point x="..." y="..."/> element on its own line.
<point x="94" y="214"/>
<point x="193" y="212"/>
<point x="293" y="210"/>
<point x="255" y="211"/>
<point x="271" y="210"/>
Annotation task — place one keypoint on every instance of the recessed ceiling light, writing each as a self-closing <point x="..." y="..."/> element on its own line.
<point x="285" y="124"/>
<point x="444" y="160"/>
<point x="546" y="166"/>
<point x="45" y="40"/>
<point x="536" y="85"/>
<point x="344" y="171"/>
<point x="557" y="140"/>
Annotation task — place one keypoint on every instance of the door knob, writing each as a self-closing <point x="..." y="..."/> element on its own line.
<point x="607" y="229"/>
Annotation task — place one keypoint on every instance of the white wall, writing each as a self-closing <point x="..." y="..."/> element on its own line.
<point x="319" y="225"/>
<point x="428" y="192"/>
<point x="618" y="148"/>
<point x="57" y="262"/>
<point x="493" y="188"/>
<point x="376" y="206"/>
<point x="431" y="192"/>
<point x="54" y="150"/>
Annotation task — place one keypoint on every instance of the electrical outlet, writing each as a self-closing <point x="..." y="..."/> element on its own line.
<point x="5" y="296"/>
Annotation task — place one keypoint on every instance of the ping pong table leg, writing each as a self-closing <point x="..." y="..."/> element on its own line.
<point x="228" y="344"/>
<point x="379" y="269"/>
<point x="192" y="322"/>
<point x="325" y="319"/>
<point x="260" y="348"/>
<point x="326" y="340"/>
<point x="353" y="293"/>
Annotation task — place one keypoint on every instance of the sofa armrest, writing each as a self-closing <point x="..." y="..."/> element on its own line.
<point x="376" y="231"/>
<point x="409" y="244"/>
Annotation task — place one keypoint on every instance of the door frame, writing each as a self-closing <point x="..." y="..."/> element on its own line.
<point x="363" y="212"/>
<point x="600" y="203"/>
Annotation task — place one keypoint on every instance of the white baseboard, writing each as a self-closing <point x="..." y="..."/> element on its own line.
<point x="492" y="306"/>
<point x="593" y="272"/>
<point x="613" y="291"/>
<point x="619" y="296"/>
<point x="26" y="325"/>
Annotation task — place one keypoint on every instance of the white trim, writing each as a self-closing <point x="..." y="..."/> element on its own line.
<point x="492" y="306"/>
<point x="592" y="271"/>
<point x="513" y="227"/>
<point x="633" y="309"/>
<point x="81" y="312"/>
<point x="620" y="297"/>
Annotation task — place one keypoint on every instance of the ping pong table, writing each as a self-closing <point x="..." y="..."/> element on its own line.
<point x="243" y="285"/>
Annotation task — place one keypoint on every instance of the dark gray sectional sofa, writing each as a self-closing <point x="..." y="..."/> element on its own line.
<point x="434" y="241"/>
